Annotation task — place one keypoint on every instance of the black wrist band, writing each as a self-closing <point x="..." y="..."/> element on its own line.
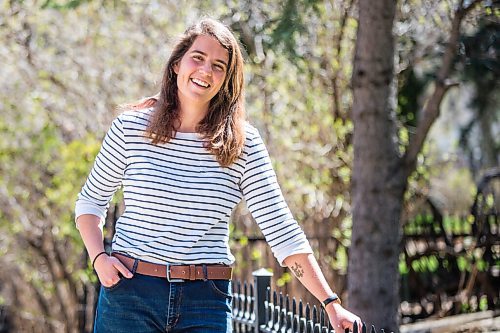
<point x="331" y="299"/>
<point x="97" y="256"/>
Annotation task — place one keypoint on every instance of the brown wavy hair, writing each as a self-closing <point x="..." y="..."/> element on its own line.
<point x="223" y="125"/>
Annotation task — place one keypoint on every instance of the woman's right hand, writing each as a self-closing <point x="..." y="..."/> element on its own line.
<point x="108" y="268"/>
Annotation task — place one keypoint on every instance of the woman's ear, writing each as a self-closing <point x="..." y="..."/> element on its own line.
<point x="175" y="67"/>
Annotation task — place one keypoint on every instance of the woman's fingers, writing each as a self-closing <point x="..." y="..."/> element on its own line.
<point x="347" y="325"/>
<point x="122" y="269"/>
<point x="111" y="281"/>
<point x="109" y="270"/>
<point x="350" y="325"/>
<point x="349" y="321"/>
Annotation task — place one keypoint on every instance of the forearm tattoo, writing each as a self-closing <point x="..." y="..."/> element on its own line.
<point x="297" y="270"/>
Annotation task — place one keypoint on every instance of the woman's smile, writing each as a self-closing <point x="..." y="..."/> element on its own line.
<point x="200" y="83"/>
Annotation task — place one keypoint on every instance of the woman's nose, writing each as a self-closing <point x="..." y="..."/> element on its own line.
<point x="206" y="68"/>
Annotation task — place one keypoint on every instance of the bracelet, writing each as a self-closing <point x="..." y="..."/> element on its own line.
<point x="97" y="256"/>
<point x="331" y="299"/>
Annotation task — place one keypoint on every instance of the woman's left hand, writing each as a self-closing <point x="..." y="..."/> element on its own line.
<point x="341" y="318"/>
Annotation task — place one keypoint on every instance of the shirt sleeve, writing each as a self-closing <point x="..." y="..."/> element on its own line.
<point x="106" y="175"/>
<point x="265" y="201"/>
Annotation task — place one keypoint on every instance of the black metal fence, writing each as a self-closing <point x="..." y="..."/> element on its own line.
<point x="4" y="319"/>
<point x="257" y="309"/>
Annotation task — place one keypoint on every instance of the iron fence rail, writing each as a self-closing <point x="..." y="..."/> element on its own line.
<point x="258" y="309"/>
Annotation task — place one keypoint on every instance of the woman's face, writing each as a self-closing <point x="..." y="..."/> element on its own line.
<point x="201" y="71"/>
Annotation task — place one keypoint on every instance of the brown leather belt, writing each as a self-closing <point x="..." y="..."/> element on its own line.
<point x="177" y="273"/>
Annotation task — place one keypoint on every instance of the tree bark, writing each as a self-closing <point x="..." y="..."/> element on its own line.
<point x="377" y="188"/>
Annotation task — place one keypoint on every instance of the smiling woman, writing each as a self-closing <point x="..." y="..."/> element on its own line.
<point x="186" y="157"/>
<point x="200" y="75"/>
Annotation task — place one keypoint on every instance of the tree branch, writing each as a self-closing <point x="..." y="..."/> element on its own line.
<point x="338" y="48"/>
<point x="40" y="248"/>
<point x="431" y="109"/>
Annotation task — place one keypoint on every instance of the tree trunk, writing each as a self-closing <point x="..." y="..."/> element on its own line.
<point x="378" y="183"/>
<point x="379" y="174"/>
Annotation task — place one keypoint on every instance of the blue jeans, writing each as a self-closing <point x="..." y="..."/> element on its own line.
<point x="146" y="304"/>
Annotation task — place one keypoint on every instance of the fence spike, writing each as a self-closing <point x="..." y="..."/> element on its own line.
<point x="315" y="314"/>
<point x="243" y="296"/>
<point x="252" y="303"/>
<point x="302" y="324"/>
<point x="238" y="287"/>
<point x="308" y="312"/>
<point x="277" y="322"/>
<point x="281" y="321"/>
<point x="309" y="326"/>
<point x="235" y="295"/>
<point x="275" y="308"/>
<point x="363" y="328"/>
<point x="245" y="300"/>
<point x="295" y="324"/>
<point x="237" y="305"/>
<point x="294" y="306"/>
<point x="289" y="321"/>
<point x="301" y="308"/>
<point x="287" y="314"/>
<point x="355" y="327"/>
<point x="267" y="304"/>
<point x="373" y="329"/>
<point x="322" y="316"/>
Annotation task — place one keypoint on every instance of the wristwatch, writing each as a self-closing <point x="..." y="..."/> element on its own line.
<point x="334" y="298"/>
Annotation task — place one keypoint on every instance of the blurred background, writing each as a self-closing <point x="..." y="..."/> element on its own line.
<point x="66" y="65"/>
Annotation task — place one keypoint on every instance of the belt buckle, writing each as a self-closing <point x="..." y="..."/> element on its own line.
<point x="168" y="275"/>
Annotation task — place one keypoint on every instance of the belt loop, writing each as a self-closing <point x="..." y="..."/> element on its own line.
<point x="136" y="263"/>
<point x="192" y="272"/>
<point x="205" y="273"/>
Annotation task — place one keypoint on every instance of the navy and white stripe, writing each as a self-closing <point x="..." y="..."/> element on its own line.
<point x="178" y="198"/>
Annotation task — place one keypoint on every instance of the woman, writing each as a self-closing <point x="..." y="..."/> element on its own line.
<point x="186" y="157"/>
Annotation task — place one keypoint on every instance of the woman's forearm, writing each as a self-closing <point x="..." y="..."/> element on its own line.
<point x="306" y="269"/>
<point x="91" y="234"/>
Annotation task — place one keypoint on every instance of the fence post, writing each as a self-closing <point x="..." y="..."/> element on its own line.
<point x="262" y="280"/>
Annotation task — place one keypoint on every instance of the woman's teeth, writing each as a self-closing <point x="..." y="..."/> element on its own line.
<point x="200" y="83"/>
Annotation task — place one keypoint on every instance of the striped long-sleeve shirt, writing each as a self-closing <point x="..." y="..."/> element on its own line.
<point x="178" y="199"/>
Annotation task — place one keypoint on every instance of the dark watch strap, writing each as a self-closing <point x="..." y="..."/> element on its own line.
<point x="334" y="298"/>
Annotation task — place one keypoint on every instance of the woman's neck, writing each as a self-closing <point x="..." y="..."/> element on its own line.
<point x="190" y="116"/>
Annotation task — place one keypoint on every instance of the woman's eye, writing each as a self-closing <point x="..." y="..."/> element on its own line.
<point x="219" y="67"/>
<point x="197" y="57"/>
